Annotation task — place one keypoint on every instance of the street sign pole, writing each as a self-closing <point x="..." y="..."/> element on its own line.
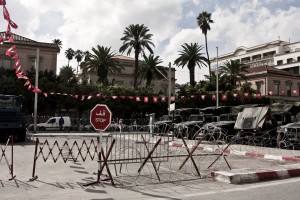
<point x="100" y="119"/>
<point x="100" y="150"/>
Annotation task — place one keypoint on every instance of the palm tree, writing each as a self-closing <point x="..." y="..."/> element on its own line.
<point x="136" y="37"/>
<point x="191" y="56"/>
<point x="70" y="53"/>
<point x="58" y="43"/>
<point x="203" y="20"/>
<point x="222" y="82"/>
<point x="102" y="61"/>
<point x="66" y="74"/>
<point x="234" y="70"/>
<point x="87" y="55"/>
<point x="78" y="56"/>
<point x="151" y="69"/>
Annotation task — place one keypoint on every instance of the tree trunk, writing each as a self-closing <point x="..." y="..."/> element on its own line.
<point x="192" y="75"/>
<point x="208" y="58"/>
<point x="136" y="67"/>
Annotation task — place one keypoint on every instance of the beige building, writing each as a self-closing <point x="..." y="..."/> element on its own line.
<point x="27" y="50"/>
<point x="275" y="83"/>
<point x="125" y="77"/>
<point x="273" y="67"/>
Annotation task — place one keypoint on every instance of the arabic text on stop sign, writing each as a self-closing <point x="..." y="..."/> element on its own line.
<point x="100" y="120"/>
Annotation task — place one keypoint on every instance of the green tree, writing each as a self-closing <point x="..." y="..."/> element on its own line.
<point x="87" y="55"/>
<point x="66" y="74"/>
<point x="204" y="20"/>
<point x="78" y="57"/>
<point x="58" y="42"/>
<point x="70" y="53"/>
<point x="234" y="71"/>
<point x="102" y="61"/>
<point x="136" y="37"/>
<point x="222" y="82"/>
<point x="151" y="69"/>
<point x="191" y="56"/>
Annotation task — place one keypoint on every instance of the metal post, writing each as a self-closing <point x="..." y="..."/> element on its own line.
<point x="170" y="86"/>
<point x="36" y="85"/>
<point x="217" y="81"/>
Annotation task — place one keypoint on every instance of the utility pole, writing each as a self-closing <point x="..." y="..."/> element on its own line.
<point x="36" y="85"/>
<point x="217" y="81"/>
<point x="170" y="86"/>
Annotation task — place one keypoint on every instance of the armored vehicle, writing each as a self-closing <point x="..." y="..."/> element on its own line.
<point x="222" y="129"/>
<point x="256" y="126"/>
<point x="12" y="121"/>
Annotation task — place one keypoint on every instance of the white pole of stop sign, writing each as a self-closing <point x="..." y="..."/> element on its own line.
<point x="99" y="150"/>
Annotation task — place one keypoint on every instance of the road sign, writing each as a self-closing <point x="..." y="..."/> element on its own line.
<point x="100" y="117"/>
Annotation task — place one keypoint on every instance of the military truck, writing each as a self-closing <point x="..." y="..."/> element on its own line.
<point x="256" y="126"/>
<point x="220" y="130"/>
<point x="12" y="121"/>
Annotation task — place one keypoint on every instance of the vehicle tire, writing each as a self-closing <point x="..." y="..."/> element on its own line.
<point x="21" y="137"/>
<point x="279" y="140"/>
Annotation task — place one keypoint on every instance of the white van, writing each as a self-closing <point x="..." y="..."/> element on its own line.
<point x="52" y="124"/>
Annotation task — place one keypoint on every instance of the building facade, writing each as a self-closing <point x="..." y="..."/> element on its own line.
<point x="280" y="54"/>
<point x="27" y="50"/>
<point x="275" y="83"/>
<point x="273" y="68"/>
<point x="125" y="77"/>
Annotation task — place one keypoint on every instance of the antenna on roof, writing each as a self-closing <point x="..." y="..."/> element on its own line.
<point x="278" y="37"/>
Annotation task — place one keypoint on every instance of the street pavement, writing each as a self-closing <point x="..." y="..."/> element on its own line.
<point x="66" y="180"/>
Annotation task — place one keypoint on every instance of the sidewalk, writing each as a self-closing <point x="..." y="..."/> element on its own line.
<point x="239" y="176"/>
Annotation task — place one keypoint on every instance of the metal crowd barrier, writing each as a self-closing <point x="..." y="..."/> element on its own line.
<point x="67" y="150"/>
<point x="10" y="164"/>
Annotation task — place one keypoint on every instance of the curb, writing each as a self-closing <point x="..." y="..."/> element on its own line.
<point x="236" y="177"/>
<point x="243" y="153"/>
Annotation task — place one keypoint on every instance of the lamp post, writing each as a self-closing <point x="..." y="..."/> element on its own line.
<point x="37" y="85"/>
<point x="217" y="82"/>
<point x="169" y="86"/>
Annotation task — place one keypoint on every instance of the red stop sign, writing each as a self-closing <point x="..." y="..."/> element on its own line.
<point x="100" y="117"/>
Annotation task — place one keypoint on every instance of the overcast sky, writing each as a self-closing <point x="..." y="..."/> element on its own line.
<point x="85" y="24"/>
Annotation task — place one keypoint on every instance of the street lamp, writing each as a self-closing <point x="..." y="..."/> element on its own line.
<point x="217" y="82"/>
<point x="169" y="86"/>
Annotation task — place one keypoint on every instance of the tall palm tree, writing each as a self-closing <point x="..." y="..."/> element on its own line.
<point x="136" y="37"/>
<point x="58" y="42"/>
<point x="191" y="56"/>
<point x="151" y="69"/>
<point x="102" y="61"/>
<point x="234" y="71"/>
<point x="87" y="55"/>
<point x="70" y="53"/>
<point x="78" y="57"/>
<point x="204" y="20"/>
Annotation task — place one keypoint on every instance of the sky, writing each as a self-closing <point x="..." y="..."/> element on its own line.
<point x="85" y="24"/>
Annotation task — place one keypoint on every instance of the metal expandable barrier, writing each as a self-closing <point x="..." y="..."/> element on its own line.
<point x="10" y="164"/>
<point x="74" y="151"/>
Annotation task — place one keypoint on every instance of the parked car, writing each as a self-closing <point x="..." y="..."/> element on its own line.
<point x="52" y="124"/>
